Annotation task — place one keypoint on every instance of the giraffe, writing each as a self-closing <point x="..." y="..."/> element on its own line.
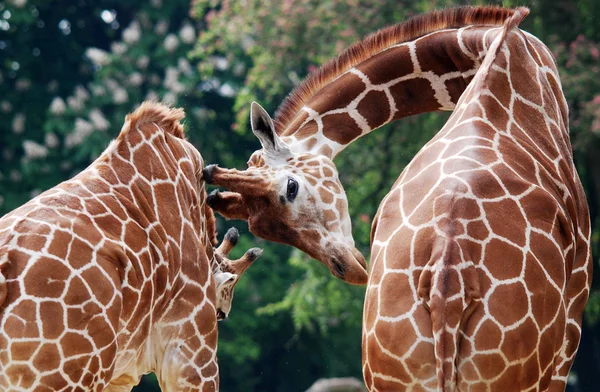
<point x="227" y="273"/>
<point x="106" y="276"/>
<point x="480" y="261"/>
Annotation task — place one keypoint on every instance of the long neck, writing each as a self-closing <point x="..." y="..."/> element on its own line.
<point x="424" y="75"/>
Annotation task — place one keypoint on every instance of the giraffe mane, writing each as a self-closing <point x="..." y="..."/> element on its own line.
<point x="374" y="43"/>
<point x="164" y="116"/>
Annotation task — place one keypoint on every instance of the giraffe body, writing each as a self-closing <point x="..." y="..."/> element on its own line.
<point x="481" y="262"/>
<point x="107" y="276"/>
<point x="480" y="258"/>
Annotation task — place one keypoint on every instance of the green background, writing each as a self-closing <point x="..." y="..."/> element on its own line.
<point x="292" y="323"/>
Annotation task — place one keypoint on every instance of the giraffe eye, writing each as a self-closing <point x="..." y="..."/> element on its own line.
<point x="292" y="189"/>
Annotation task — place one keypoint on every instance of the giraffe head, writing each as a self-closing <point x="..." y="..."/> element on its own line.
<point x="295" y="199"/>
<point x="227" y="273"/>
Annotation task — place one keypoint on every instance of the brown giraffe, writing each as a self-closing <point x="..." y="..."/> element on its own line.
<point x="481" y="261"/>
<point x="107" y="276"/>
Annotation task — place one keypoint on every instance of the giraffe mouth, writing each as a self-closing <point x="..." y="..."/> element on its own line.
<point x="221" y="315"/>
<point x="337" y="268"/>
<point x="351" y="268"/>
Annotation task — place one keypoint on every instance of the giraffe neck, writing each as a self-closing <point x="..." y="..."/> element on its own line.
<point x="424" y="75"/>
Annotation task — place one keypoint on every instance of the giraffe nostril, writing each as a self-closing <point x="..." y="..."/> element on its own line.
<point x="221" y="315"/>
<point x="337" y="268"/>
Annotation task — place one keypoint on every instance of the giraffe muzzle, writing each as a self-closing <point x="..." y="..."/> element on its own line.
<point x="351" y="267"/>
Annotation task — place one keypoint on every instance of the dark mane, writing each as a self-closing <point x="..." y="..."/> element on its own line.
<point x="409" y="30"/>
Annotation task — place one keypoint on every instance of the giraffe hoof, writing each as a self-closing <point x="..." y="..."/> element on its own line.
<point x="232" y="235"/>
<point x="207" y="173"/>
<point x="212" y="199"/>
<point x="254" y="253"/>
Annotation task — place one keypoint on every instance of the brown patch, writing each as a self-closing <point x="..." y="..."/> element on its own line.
<point x="455" y="88"/>
<point x="483" y="183"/>
<point x="135" y="237"/>
<point x="75" y="344"/>
<point x="414" y="96"/>
<point x="46" y="278"/>
<point x="503" y="260"/>
<point x="489" y="365"/>
<point x="338" y="95"/>
<point x="33" y="242"/>
<point x="51" y="316"/>
<point x="20" y="375"/>
<point x="307" y="131"/>
<point x="401" y="301"/>
<point x="488" y="336"/>
<point x="521" y="342"/>
<point x="477" y="230"/>
<point x="80" y="254"/>
<point x="375" y="43"/>
<point x="77" y="292"/>
<point x="388" y="65"/>
<point x="441" y="53"/>
<point x="374" y="109"/>
<point x="508" y="304"/>
<point x="340" y="128"/>
<point x="506" y="220"/>
<point x="22" y="351"/>
<point x="48" y="358"/>
<point x="102" y="289"/>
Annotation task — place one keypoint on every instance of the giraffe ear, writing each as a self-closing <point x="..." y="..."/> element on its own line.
<point x="224" y="277"/>
<point x="264" y="129"/>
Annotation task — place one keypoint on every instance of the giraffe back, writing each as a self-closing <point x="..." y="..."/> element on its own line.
<point x="106" y="276"/>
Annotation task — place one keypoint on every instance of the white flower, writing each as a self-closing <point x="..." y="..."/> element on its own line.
<point x="18" y="3"/>
<point x="18" y="123"/>
<point x="120" y="95"/>
<point x="98" y="91"/>
<point x="172" y="80"/>
<point x="184" y="66"/>
<point x="51" y="140"/>
<point x="161" y="27"/>
<point x="171" y="43"/>
<point x="226" y="90"/>
<point x="170" y="98"/>
<point x="98" y="56"/>
<point x="98" y="119"/>
<point x="74" y="103"/>
<point x="5" y="106"/>
<point x="156" y="3"/>
<point x="82" y="130"/>
<point x="34" y="193"/>
<point x="118" y="48"/>
<point x="143" y="62"/>
<point x="23" y="84"/>
<point x="132" y="33"/>
<point x="57" y="106"/>
<point x="34" y="150"/>
<point x="219" y="62"/>
<point x="187" y="33"/>
<point x="81" y="93"/>
<point x="135" y="79"/>
<point x="151" y="96"/>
